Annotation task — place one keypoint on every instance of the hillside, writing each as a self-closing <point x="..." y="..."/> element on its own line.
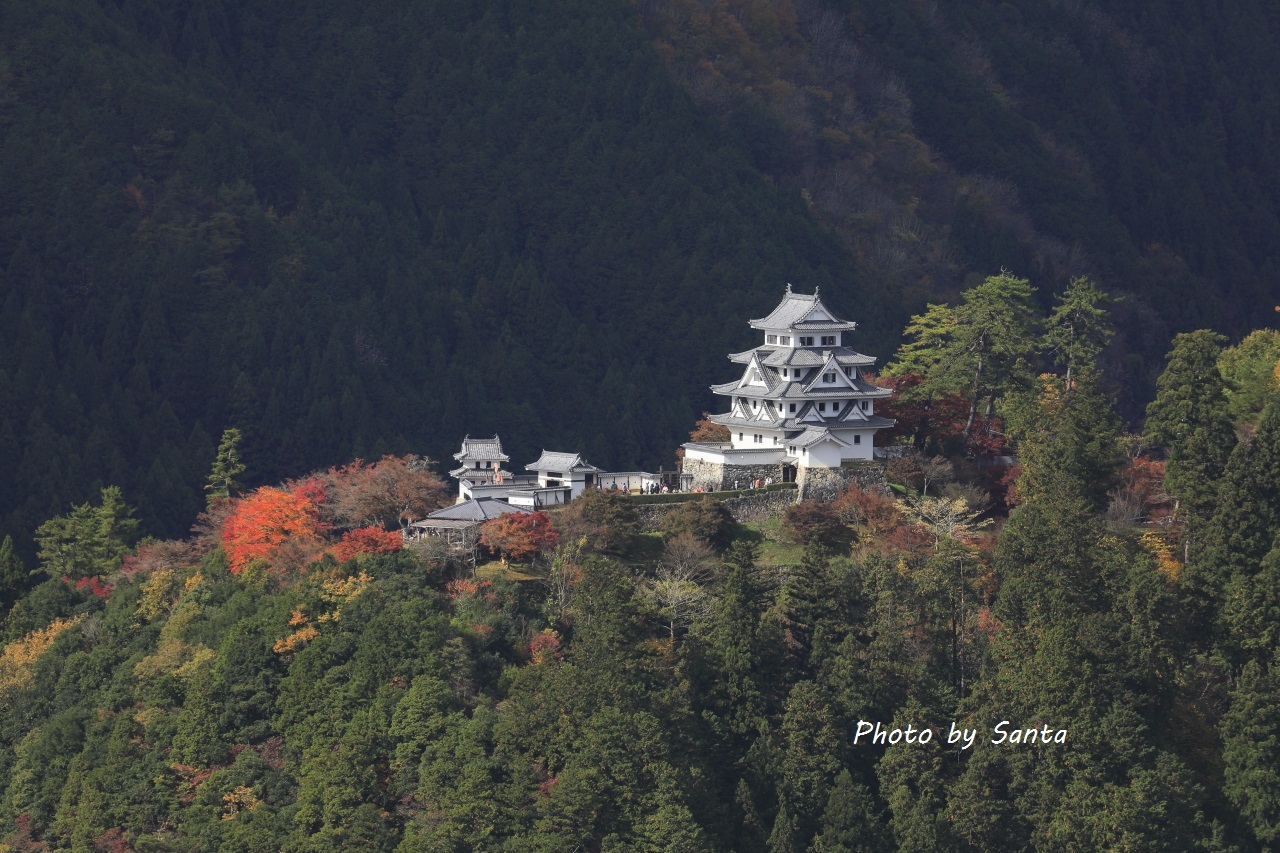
<point x="358" y="230"/>
<point x="349" y="231"/>
<point x="1092" y="673"/>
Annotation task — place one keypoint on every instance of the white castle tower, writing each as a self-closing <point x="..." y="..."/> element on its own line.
<point x="801" y="401"/>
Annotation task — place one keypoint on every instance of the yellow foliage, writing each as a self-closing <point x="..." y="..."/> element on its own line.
<point x="148" y="717"/>
<point x="192" y="582"/>
<point x="18" y="661"/>
<point x="296" y="640"/>
<point x="1167" y="564"/>
<point x="173" y="654"/>
<point x="345" y="589"/>
<point x="298" y="617"/>
<point x="155" y="594"/>
<point x="239" y="799"/>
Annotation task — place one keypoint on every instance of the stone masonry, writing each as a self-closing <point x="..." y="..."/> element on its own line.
<point x="825" y="484"/>
<point x="719" y="477"/>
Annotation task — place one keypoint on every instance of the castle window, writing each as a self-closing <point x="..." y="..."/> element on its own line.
<point x="792" y="450"/>
<point x="829" y="376"/>
<point x="828" y="340"/>
<point x="758" y="438"/>
<point x="785" y="340"/>
<point x="822" y="407"/>
<point x="835" y="407"/>
<point x="793" y="408"/>
<point x="739" y="436"/>
<point x="770" y="339"/>
<point x="857" y="438"/>
<point x="865" y="405"/>
<point x="806" y="341"/>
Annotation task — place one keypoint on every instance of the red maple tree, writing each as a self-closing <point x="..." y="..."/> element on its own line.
<point x="274" y="522"/>
<point x="367" y="540"/>
<point x="519" y="536"/>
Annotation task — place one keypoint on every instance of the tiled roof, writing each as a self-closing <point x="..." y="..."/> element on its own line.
<point x="477" y="474"/>
<point x="481" y="509"/>
<point x="550" y="460"/>
<point x="795" y="391"/>
<point x="794" y="312"/>
<point x="812" y="436"/>
<point x="801" y="356"/>
<point x="479" y="449"/>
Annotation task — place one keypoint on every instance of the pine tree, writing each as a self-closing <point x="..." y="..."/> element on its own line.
<point x="980" y="348"/>
<point x="1246" y="519"/>
<point x="224" y="479"/>
<point x="849" y="821"/>
<point x="14" y="576"/>
<point x="812" y="749"/>
<point x="1078" y="329"/>
<point x="1189" y="417"/>
<point x="90" y="540"/>
<point x="783" y="837"/>
<point x="1251" y="750"/>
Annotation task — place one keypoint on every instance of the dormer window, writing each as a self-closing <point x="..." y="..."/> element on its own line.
<point x="806" y="341"/>
<point x="828" y="340"/>
<point x="829" y="376"/>
<point x="835" y="407"/>
<point x="784" y="340"/>
<point x="822" y="407"/>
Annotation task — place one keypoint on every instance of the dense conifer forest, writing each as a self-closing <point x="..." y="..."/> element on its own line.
<point x="260" y="264"/>
<point x="1089" y="637"/>
<point x="352" y="230"/>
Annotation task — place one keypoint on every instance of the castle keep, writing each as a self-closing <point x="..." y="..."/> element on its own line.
<point x="801" y="406"/>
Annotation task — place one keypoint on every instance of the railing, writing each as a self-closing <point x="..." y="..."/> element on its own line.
<point x="680" y="497"/>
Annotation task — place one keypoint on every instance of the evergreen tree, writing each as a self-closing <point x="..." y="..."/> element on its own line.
<point x="812" y="750"/>
<point x="783" y="838"/>
<point x="1251" y="750"/>
<point x="90" y="540"/>
<point x="849" y="821"/>
<point x="1078" y="329"/>
<point x="1189" y="417"/>
<point x="224" y="479"/>
<point x="912" y="783"/>
<point x="980" y="348"/>
<point x="14" y="577"/>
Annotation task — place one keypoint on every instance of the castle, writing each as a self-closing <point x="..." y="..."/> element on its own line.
<point x="801" y="403"/>
<point x="801" y="412"/>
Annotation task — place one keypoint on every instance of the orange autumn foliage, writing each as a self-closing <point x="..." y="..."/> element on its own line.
<point x="263" y="522"/>
<point x="519" y="537"/>
<point x="367" y="540"/>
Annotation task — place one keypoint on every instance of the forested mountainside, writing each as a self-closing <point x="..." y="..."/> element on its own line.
<point x="945" y="140"/>
<point x="352" y="229"/>
<point x="1095" y="657"/>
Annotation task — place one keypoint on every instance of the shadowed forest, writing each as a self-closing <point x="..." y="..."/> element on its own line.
<point x="356" y="230"/>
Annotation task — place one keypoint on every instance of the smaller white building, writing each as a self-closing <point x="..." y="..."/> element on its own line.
<point x="481" y="466"/>
<point x="558" y="470"/>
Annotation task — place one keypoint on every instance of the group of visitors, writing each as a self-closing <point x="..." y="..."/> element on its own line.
<point x="754" y="484"/>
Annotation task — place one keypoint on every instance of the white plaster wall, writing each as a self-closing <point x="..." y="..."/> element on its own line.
<point x="753" y="455"/>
